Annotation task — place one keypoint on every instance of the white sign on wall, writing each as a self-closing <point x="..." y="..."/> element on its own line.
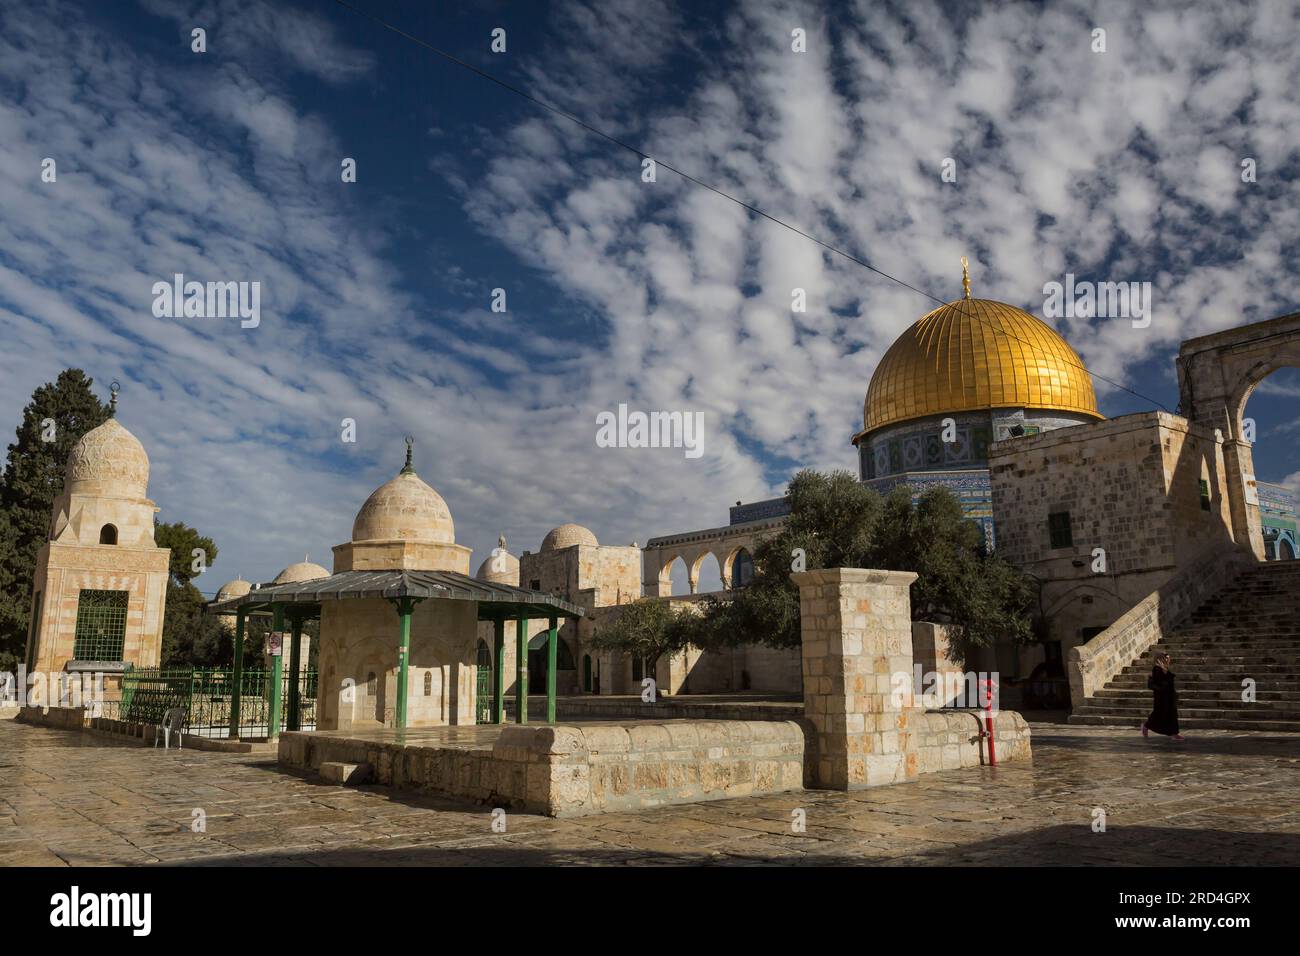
<point x="1252" y="491"/>
<point x="274" y="642"/>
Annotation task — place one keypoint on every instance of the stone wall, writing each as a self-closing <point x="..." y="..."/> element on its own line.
<point x="857" y="633"/>
<point x="952" y="739"/>
<point x="1131" y="487"/>
<point x="359" y="638"/>
<point x="1092" y="664"/>
<point x="566" y="771"/>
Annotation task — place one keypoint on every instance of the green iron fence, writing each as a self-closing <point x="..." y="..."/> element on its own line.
<point x="205" y="696"/>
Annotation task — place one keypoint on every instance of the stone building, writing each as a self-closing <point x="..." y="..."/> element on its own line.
<point x="1103" y="515"/>
<point x="101" y="580"/>
<point x="403" y="525"/>
<point x="988" y="401"/>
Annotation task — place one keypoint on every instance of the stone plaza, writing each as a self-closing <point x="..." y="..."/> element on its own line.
<point x="1221" y="799"/>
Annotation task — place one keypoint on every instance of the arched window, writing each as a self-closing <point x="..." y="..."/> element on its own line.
<point x="428" y="683"/>
<point x="742" y="569"/>
<point x="108" y="534"/>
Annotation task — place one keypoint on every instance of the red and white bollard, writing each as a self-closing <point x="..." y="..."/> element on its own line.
<point x="988" y="722"/>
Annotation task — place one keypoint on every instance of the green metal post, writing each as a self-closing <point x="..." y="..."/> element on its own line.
<point x="277" y="675"/>
<point x="498" y="672"/>
<point x="552" y="646"/>
<point x="521" y="671"/>
<point x="404" y="607"/>
<point x="295" y="672"/>
<point x="237" y="674"/>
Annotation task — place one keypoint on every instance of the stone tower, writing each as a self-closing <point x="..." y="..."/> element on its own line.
<point x="101" y="580"/>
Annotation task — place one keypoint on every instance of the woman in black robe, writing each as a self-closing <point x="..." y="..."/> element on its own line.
<point x="1164" y="715"/>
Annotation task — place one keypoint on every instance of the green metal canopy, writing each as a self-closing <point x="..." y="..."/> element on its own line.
<point x="495" y="601"/>
<point x="498" y="603"/>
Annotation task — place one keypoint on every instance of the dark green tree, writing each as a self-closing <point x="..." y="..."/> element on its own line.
<point x="190" y="637"/>
<point x="836" y="521"/>
<point x="646" y="629"/>
<point x="56" y="417"/>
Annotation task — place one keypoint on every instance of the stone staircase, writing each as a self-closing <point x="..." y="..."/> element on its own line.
<point x="1249" y="629"/>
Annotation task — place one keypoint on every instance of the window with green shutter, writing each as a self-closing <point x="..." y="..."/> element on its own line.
<point x="101" y="625"/>
<point x="1058" y="529"/>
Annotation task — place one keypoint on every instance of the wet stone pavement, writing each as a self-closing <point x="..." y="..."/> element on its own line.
<point x="1222" y="798"/>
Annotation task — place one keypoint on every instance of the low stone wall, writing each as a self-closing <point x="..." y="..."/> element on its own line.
<point x="951" y="739"/>
<point x="677" y="707"/>
<point x="1092" y="664"/>
<point x="570" y="770"/>
<point x="61" y="718"/>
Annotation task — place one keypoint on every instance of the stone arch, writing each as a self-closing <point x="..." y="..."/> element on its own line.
<point x="1216" y="376"/>
<point x="666" y="583"/>
<point x="729" y="566"/>
<point x="700" y="566"/>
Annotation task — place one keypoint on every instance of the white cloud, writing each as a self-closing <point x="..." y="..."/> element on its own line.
<point x="1068" y="161"/>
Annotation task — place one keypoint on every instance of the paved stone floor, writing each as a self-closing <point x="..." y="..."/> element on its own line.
<point x="1220" y="798"/>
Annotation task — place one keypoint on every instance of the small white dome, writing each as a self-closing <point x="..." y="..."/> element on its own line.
<point x="566" y="536"/>
<point x="302" y="571"/>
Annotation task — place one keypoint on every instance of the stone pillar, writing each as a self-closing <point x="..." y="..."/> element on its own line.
<point x="1243" y="496"/>
<point x="857" y="634"/>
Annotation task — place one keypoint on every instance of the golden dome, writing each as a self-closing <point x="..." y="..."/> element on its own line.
<point x="566" y="536"/>
<point x="110" y="461"/>
<point x="976" y="354"/>
<point x="302" y="571"/>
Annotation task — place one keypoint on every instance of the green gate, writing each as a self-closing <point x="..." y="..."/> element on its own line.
<point x="483" y="694"/>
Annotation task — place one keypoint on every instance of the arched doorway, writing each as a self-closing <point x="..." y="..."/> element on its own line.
<point x="538" y="664"/>
<point x="586" y="673"/>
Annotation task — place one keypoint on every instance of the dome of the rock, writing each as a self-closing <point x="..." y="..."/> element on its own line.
<point x="977" y="354"/>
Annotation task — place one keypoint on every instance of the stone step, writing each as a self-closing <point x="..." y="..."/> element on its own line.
<point x="344" y="774"/>
<point x="1189" y="704"/>
<point x="1192" y="713"/>
<point x="1276" y="726"/>
<point x="1229" y="694"/>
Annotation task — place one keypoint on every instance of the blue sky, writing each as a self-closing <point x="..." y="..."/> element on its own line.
<point x="1123" y="165"/>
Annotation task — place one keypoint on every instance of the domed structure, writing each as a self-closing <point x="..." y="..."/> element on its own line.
<point x="566" y="536"/>
<point x="977" y="354"/>
<point x="233" y="589"/>
<point x="500" y="567"/>
<point x="403" y="524"/>
<point x="404" y="509"/>
<point x="968" y="374"/>
<point x="301" y="571"/>
<point x="108" y="461"/>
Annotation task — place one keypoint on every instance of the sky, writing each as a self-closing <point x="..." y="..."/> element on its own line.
<point x="376" y="295"/>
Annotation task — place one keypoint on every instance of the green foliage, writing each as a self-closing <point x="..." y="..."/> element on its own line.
<point x="839" y="522"/>
<point x="32" y="479"/>
<point x="190" y="637"/>
<point x="646" y="628"/>
<point x="183" y="541"/>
